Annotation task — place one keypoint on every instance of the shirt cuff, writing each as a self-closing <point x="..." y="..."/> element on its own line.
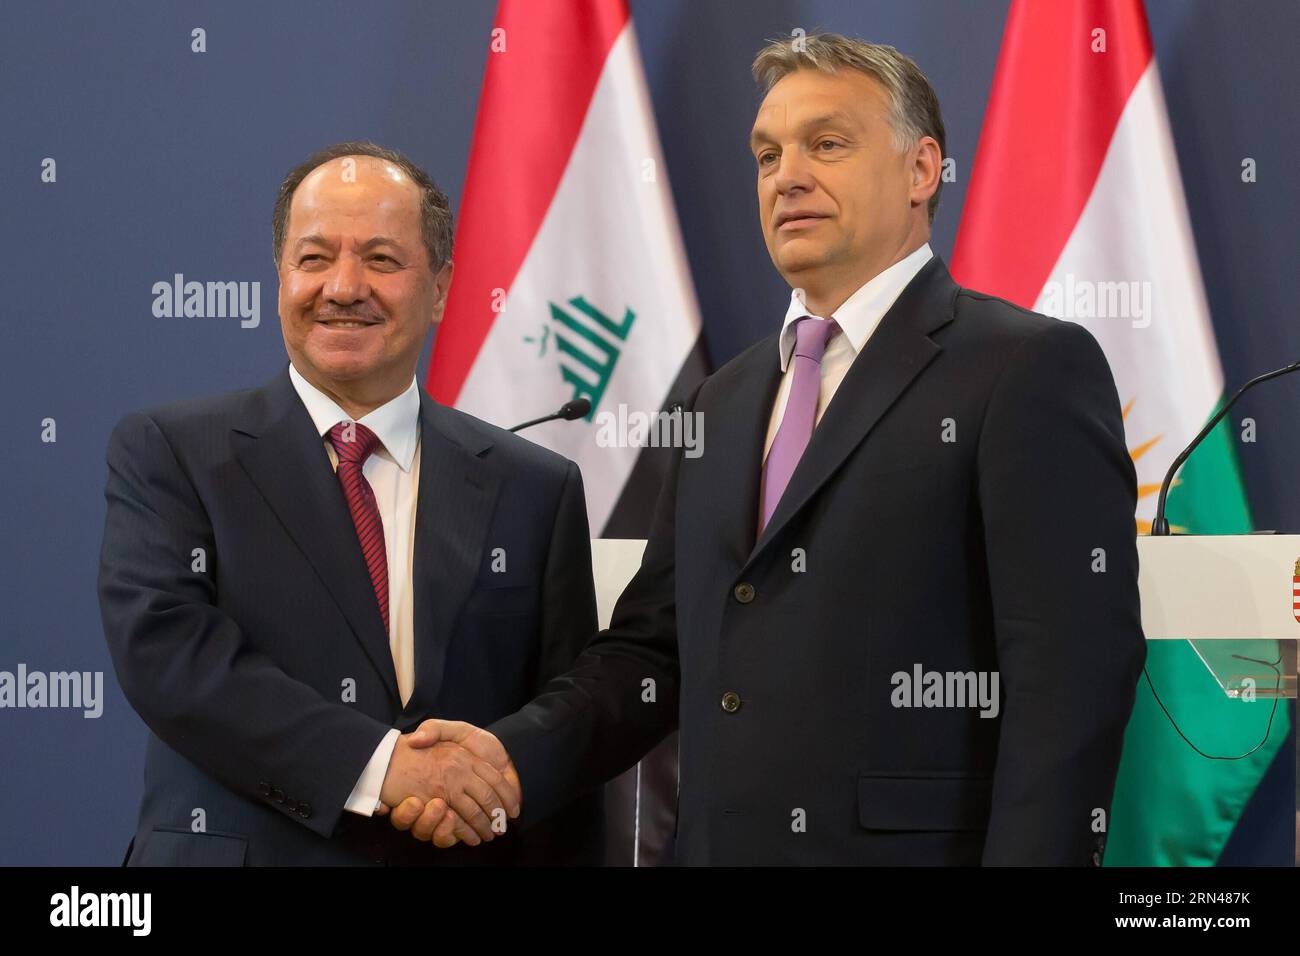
<point x="364" y="799"/>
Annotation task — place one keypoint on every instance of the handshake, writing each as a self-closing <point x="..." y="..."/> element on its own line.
<point x="449" y="782"/>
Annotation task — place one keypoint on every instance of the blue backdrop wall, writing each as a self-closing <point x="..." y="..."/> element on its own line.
<point x="168" y="162"/>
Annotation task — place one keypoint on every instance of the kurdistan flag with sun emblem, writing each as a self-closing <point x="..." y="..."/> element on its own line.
<point x="1076" y="209"/>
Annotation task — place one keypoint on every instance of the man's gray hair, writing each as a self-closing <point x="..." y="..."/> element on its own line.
<point x="913" y="107"/>
<point x="435" y="209"/>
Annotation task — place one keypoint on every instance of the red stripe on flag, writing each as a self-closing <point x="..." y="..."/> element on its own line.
<point x="1051" y="116"/>
<point x="534" y="100"/>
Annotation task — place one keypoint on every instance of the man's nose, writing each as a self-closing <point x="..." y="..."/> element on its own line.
<point x="347" y="282"/>
<point x="792" y="173"/>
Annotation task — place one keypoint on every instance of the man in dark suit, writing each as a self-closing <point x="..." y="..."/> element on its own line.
<point x="294" y="575"/>
<point x="893" y="607"/>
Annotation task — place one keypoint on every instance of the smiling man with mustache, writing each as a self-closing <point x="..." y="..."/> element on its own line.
<point x="906" y="478"/>
<point x="294" y="577"/>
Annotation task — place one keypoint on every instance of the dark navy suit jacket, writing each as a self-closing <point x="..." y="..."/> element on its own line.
<point x="265" y="675"/>
<point x="966" y="504"/>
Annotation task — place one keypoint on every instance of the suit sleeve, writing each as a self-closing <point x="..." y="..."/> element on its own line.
<point x="597" y="719"/>
<point x="185" y="666"/>
<point x="569" y="601"/>
<point x="1057" y="493"/>
<point x="574" y="834"/>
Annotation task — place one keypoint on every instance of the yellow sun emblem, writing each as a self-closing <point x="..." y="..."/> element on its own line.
<point x="1145" y="491"/>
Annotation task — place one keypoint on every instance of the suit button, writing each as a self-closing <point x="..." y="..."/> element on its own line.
<point x="303" y="810"/>
<point x="264" y="789"/>
<point x="277" y="795"/>
<point x="731" y="702"/>
<point x="744" y="593"/>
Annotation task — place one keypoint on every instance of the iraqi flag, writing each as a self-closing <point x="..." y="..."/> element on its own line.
<point x="1076" y="209"/>
<point x="570" y="277"/>
<point x="571" y="282"/>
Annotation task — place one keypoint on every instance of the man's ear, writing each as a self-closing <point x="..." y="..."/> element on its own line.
<point x="441" y="284"/>
<point x="927" y="167"/>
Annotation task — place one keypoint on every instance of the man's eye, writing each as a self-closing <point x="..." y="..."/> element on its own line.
<point x="766" y="157"/>
<point x="827" y="142"/>
<point x="384" y="258"/>
<point x="309" y="258"/>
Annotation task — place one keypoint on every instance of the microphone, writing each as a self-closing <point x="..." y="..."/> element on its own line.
<point x="578" y="408"/>
<point x="1160" y="526"/>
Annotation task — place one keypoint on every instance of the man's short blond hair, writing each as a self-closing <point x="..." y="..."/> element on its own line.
<point x="913" y="107"/>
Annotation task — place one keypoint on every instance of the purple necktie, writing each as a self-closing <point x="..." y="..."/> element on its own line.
<point x="811" y="335"/>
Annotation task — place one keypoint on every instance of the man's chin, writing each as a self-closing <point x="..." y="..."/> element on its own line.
<point x="344" y="366"/>
<point x="799" y="257"/>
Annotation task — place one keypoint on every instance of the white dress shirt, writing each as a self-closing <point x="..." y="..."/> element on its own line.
<point x="393" y="470"/>
<point x="857" y="319"/>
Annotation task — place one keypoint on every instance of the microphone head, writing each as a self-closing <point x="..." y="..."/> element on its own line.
<point x="578" y="408"/>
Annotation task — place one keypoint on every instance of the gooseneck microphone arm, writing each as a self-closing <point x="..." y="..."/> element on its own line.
<point x="1160" y="526"/>
<point x="578" y="408"/>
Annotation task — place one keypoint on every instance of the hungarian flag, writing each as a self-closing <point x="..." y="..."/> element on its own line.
<point x="571" y="282"/>
<point x="1076" y="209"/>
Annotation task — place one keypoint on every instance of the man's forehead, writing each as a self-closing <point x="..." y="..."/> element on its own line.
<point x="356" y="169"/>
<point x="848" y="97"/>
<point x="370" y="186"/>
<point x="800" y="118"/>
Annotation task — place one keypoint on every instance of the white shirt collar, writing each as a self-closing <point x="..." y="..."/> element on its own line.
<point x="863" y="310"/>
<point x="395" y="423"/>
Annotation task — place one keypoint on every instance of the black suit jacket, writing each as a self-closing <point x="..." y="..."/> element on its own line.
<point x="263" y="670"/>
<point x="977" y="554"/>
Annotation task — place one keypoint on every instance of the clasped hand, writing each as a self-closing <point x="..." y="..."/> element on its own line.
<point x="449" y="782"/>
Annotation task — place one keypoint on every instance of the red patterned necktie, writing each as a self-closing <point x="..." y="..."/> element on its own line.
<point x="354" y="443"/>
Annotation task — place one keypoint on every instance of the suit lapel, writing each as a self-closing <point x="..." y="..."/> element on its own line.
<point x="895" y="354"/>
<point x="457" y="496"/>
<point x="279" y="448"/>
<point x="734" y="459"/>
